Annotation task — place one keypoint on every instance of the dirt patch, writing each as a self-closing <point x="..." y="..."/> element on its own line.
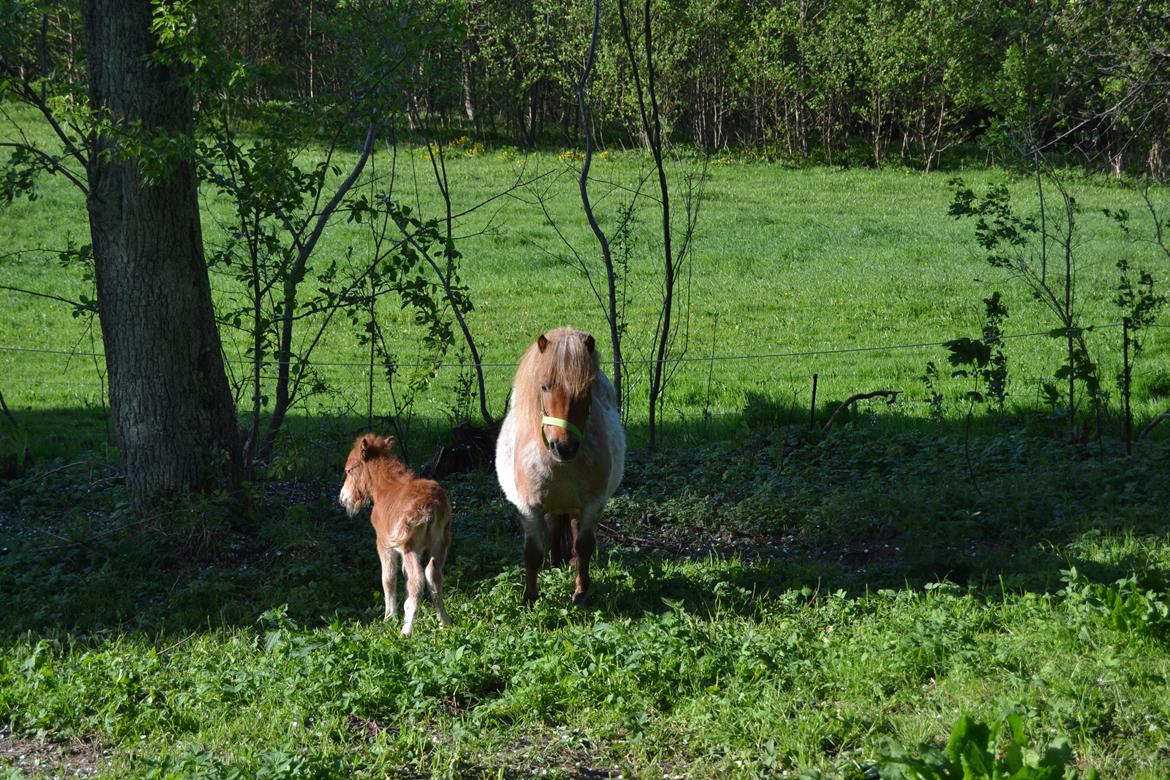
<point x="38" y="758"/>
<point x="557" y="752"/>
<point x="862" y="554"/>
<point x="697" y="543"/>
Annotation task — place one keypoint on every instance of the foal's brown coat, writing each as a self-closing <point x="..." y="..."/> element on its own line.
<point x="410" y="516"/>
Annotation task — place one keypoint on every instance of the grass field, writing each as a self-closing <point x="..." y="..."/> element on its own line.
<point x="773" y="604"/>
<point x="786" y="260"/>
<point x="769" y="601"/>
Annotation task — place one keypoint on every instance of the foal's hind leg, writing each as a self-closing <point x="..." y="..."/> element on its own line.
<point x="414" y="587"/>
<point x="389" y="578"/>
<point x="435" y="583"/>
<point x="584" y="543"/>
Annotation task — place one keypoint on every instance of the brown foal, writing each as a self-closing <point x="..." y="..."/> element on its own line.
<point x="411" y="517"/>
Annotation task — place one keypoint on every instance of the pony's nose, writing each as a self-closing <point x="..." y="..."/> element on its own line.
<point x="564" y="449"/>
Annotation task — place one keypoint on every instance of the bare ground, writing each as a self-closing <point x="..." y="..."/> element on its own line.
<point x="41" y="758"/>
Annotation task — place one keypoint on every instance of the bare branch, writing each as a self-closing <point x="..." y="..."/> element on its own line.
<point x="1152" y="423"/>
<point x="611" y="311"/>
<point x="52" y="164"/>
<point x="49" y="296"/>
<point x="892" y="395"/>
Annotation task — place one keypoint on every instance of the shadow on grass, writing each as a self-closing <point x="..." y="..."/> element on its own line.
<point x="884" y="501"/>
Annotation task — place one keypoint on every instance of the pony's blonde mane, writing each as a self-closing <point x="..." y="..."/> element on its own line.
<point x="567" y="362"/>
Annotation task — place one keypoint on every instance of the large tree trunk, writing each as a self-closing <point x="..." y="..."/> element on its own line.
<point x="172" y="409"/>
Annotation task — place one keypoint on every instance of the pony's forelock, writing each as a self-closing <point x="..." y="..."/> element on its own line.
<point x="567" y="361"/>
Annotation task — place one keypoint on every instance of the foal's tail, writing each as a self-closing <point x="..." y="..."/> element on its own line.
<point x="443" y="519"/>
<point x="440" y="518"/>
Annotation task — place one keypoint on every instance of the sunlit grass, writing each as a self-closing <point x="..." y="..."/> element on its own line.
<point x="787" y="261"/>
<point x="767" y="605"/>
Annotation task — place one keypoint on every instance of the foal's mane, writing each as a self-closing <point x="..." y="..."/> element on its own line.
<point x="568" y="361"/>
<point x="380" y="462"/>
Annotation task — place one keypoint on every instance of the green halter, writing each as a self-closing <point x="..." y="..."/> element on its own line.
<point x="557" y="421"/>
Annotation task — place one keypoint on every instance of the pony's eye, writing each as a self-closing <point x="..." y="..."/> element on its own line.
<point x="544" y="388"/>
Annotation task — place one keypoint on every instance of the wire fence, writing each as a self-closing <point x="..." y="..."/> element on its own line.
<point x="637" y="362"/>
<point x="35" y="376"/>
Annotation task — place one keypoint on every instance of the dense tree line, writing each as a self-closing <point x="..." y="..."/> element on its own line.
<point x="834" y="80"/>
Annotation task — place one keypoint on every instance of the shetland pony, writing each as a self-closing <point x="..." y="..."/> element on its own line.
<point x="561" y="451"/>
<point x="410" y="516"/>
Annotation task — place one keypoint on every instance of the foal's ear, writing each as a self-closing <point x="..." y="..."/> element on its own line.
<point x="369" y="442"/>
<point x="388" y="443"/>
<point x="542" y="342"/>
<point x="589" y="342"/>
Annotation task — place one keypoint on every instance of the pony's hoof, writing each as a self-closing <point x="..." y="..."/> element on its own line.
<point x="529" y="599"/>
<point x="580" y="598"/>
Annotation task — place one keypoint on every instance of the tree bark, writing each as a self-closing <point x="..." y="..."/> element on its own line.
<point x="652" y="127"/>
<point x="612" y="314"/>
<point x="169" y="398"/>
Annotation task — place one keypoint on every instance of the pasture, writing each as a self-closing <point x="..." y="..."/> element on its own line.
<point x="768" y="600"/>
<point x="838" y="272"/>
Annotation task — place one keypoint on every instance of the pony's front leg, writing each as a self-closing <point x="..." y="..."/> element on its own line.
<point x="535" y="544"/>
<point x="584" y="543"/>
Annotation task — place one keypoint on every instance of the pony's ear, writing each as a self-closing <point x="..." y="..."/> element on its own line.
<point x="589" y="342"/>
<point x="388" y="443"/>
<point x="369" y="442"/>
<point x="542" y="342"/>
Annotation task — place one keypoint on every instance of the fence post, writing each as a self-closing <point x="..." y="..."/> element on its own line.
<point x="1126" y="376"/>
<point x="812" y="411"/>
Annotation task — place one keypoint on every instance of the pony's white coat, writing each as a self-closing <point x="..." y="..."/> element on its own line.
<point x="559" y="480"/>
<point x="541" y="485"/>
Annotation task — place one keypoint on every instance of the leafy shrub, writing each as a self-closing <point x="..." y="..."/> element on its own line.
<point x="1124" y="606"/>
<point x="273" y="764"/>
<point x="972" y="753"/>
